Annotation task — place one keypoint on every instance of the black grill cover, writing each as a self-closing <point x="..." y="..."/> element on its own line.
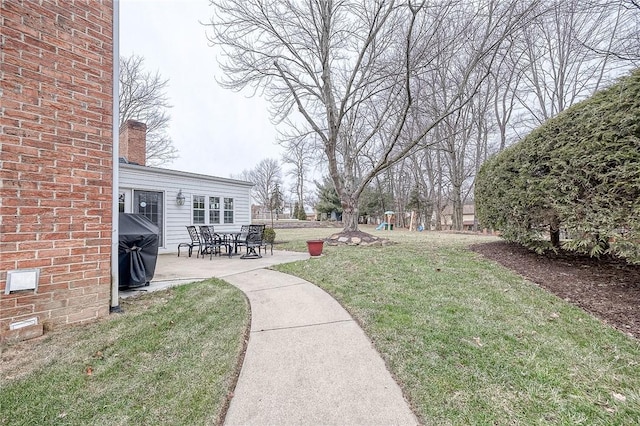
<point x="137" y="250"/>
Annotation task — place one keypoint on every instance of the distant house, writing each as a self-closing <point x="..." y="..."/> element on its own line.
<point x="287" y="212"/>
<point x="310" y="212"/>
<point x="262" y="213"/>
<point x="174" y="199"/>
<point x="468" y="217"/>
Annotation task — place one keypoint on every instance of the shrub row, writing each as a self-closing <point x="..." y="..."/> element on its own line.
<point x="577" y="175"/>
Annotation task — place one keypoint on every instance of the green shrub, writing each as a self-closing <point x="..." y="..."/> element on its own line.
<point x="269" y="235"/>
<point x="579" y="172"/>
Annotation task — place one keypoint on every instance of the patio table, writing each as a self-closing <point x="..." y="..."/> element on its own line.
<point x="232" y="238"/>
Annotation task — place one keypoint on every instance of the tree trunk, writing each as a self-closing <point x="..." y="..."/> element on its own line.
<point x="350" y="215"/>
<point x="438" y="218"/>
<point x="300" y="190"/>
<point x="554" y="232"/>
<point x="457" y="212"/>
<point x="428" y="216"/>
<point x="349" y="203"/>
<point x="438" y="206"/>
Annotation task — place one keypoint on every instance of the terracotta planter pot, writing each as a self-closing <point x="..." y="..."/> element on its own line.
<point x="315" y="247"/>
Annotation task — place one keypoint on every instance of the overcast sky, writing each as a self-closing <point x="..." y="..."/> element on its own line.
<point x="216" y="131"/>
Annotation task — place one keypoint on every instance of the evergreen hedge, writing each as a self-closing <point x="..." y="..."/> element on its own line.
<point x="578" y="174"/>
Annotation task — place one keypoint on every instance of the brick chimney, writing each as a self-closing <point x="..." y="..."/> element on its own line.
<point x="133" y="142"/>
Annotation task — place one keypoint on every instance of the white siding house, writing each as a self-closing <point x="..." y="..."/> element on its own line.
<point x="208" y="200"/>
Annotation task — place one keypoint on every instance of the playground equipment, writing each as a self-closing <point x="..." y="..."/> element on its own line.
<point x="389" y="220"/>
<point x="387" y="224"/>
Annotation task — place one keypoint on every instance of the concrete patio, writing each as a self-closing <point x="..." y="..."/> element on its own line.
<point x="172" y="270"/>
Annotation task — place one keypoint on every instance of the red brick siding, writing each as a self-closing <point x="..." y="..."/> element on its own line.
<point x="56" y="165"/>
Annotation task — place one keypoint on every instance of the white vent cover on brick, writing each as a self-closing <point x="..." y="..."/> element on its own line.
<point x="25" y="323"/>
<point x="22" y="279"/>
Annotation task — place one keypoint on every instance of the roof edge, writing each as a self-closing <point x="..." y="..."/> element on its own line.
<point x="159" y="170"/>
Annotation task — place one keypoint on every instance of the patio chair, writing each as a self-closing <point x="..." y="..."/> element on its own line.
<point x="253" y="242"/>
<point x="223" y="240"/>
<point x="263" y="242"/>
<point x="267" y="241"/>
<point x="241" y="240"/>
<point x="211" y="242"/>
<point x="195" y="241"/>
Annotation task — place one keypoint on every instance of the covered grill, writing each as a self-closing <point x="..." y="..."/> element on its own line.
<point x="137" y="250"/>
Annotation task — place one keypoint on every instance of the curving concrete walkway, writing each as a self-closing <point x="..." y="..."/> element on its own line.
<point x="307" y="361"/>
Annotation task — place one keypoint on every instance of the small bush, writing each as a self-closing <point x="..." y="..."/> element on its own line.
<point x="269" y="235"/>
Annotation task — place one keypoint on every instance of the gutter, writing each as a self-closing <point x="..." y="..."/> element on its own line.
<point x="115" y="114"/>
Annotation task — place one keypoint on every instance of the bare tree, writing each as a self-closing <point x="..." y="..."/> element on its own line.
<point x="401" y="184"/>
<point x="451" y="155"/>
<point x="560" y="67"/>
<point x="506" y="80"/>
<point x="243" y="175"/>
<point x="266" y="176"/>
<point x="623" y="25"/>
<point x="143" y="98"/>
<point x="427" y="174"/>
<point x="300" y="154"/>
<point x="351" y="68"/>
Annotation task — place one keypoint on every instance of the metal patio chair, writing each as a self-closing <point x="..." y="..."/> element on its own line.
<point x="195" y="241"/>
<point x="212" y="243"/>
<point x="253" y="242"/>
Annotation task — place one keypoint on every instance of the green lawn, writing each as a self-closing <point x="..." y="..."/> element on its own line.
<point x="472" y="343"/>
<point x="469" y="342"/>
<point x="169" y="358"/>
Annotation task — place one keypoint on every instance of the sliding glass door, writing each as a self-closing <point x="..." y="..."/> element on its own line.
<point x="150" y="204"/>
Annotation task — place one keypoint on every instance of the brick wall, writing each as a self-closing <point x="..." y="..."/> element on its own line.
<point x="56" y="158"/>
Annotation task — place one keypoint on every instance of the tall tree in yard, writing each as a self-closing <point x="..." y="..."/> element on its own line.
<point x="560" y="55"/>
<point x="266" y="176"/>
<point x="328" y="199"/>
<point x="275" y="202"/>
<point x="143" y="98"/>
<point x="300" y="155"/>
<point x="354" y="70"/>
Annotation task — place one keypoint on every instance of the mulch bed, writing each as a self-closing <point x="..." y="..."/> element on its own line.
<point x="607" y="288"/>
<point x="355" y="238"/>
